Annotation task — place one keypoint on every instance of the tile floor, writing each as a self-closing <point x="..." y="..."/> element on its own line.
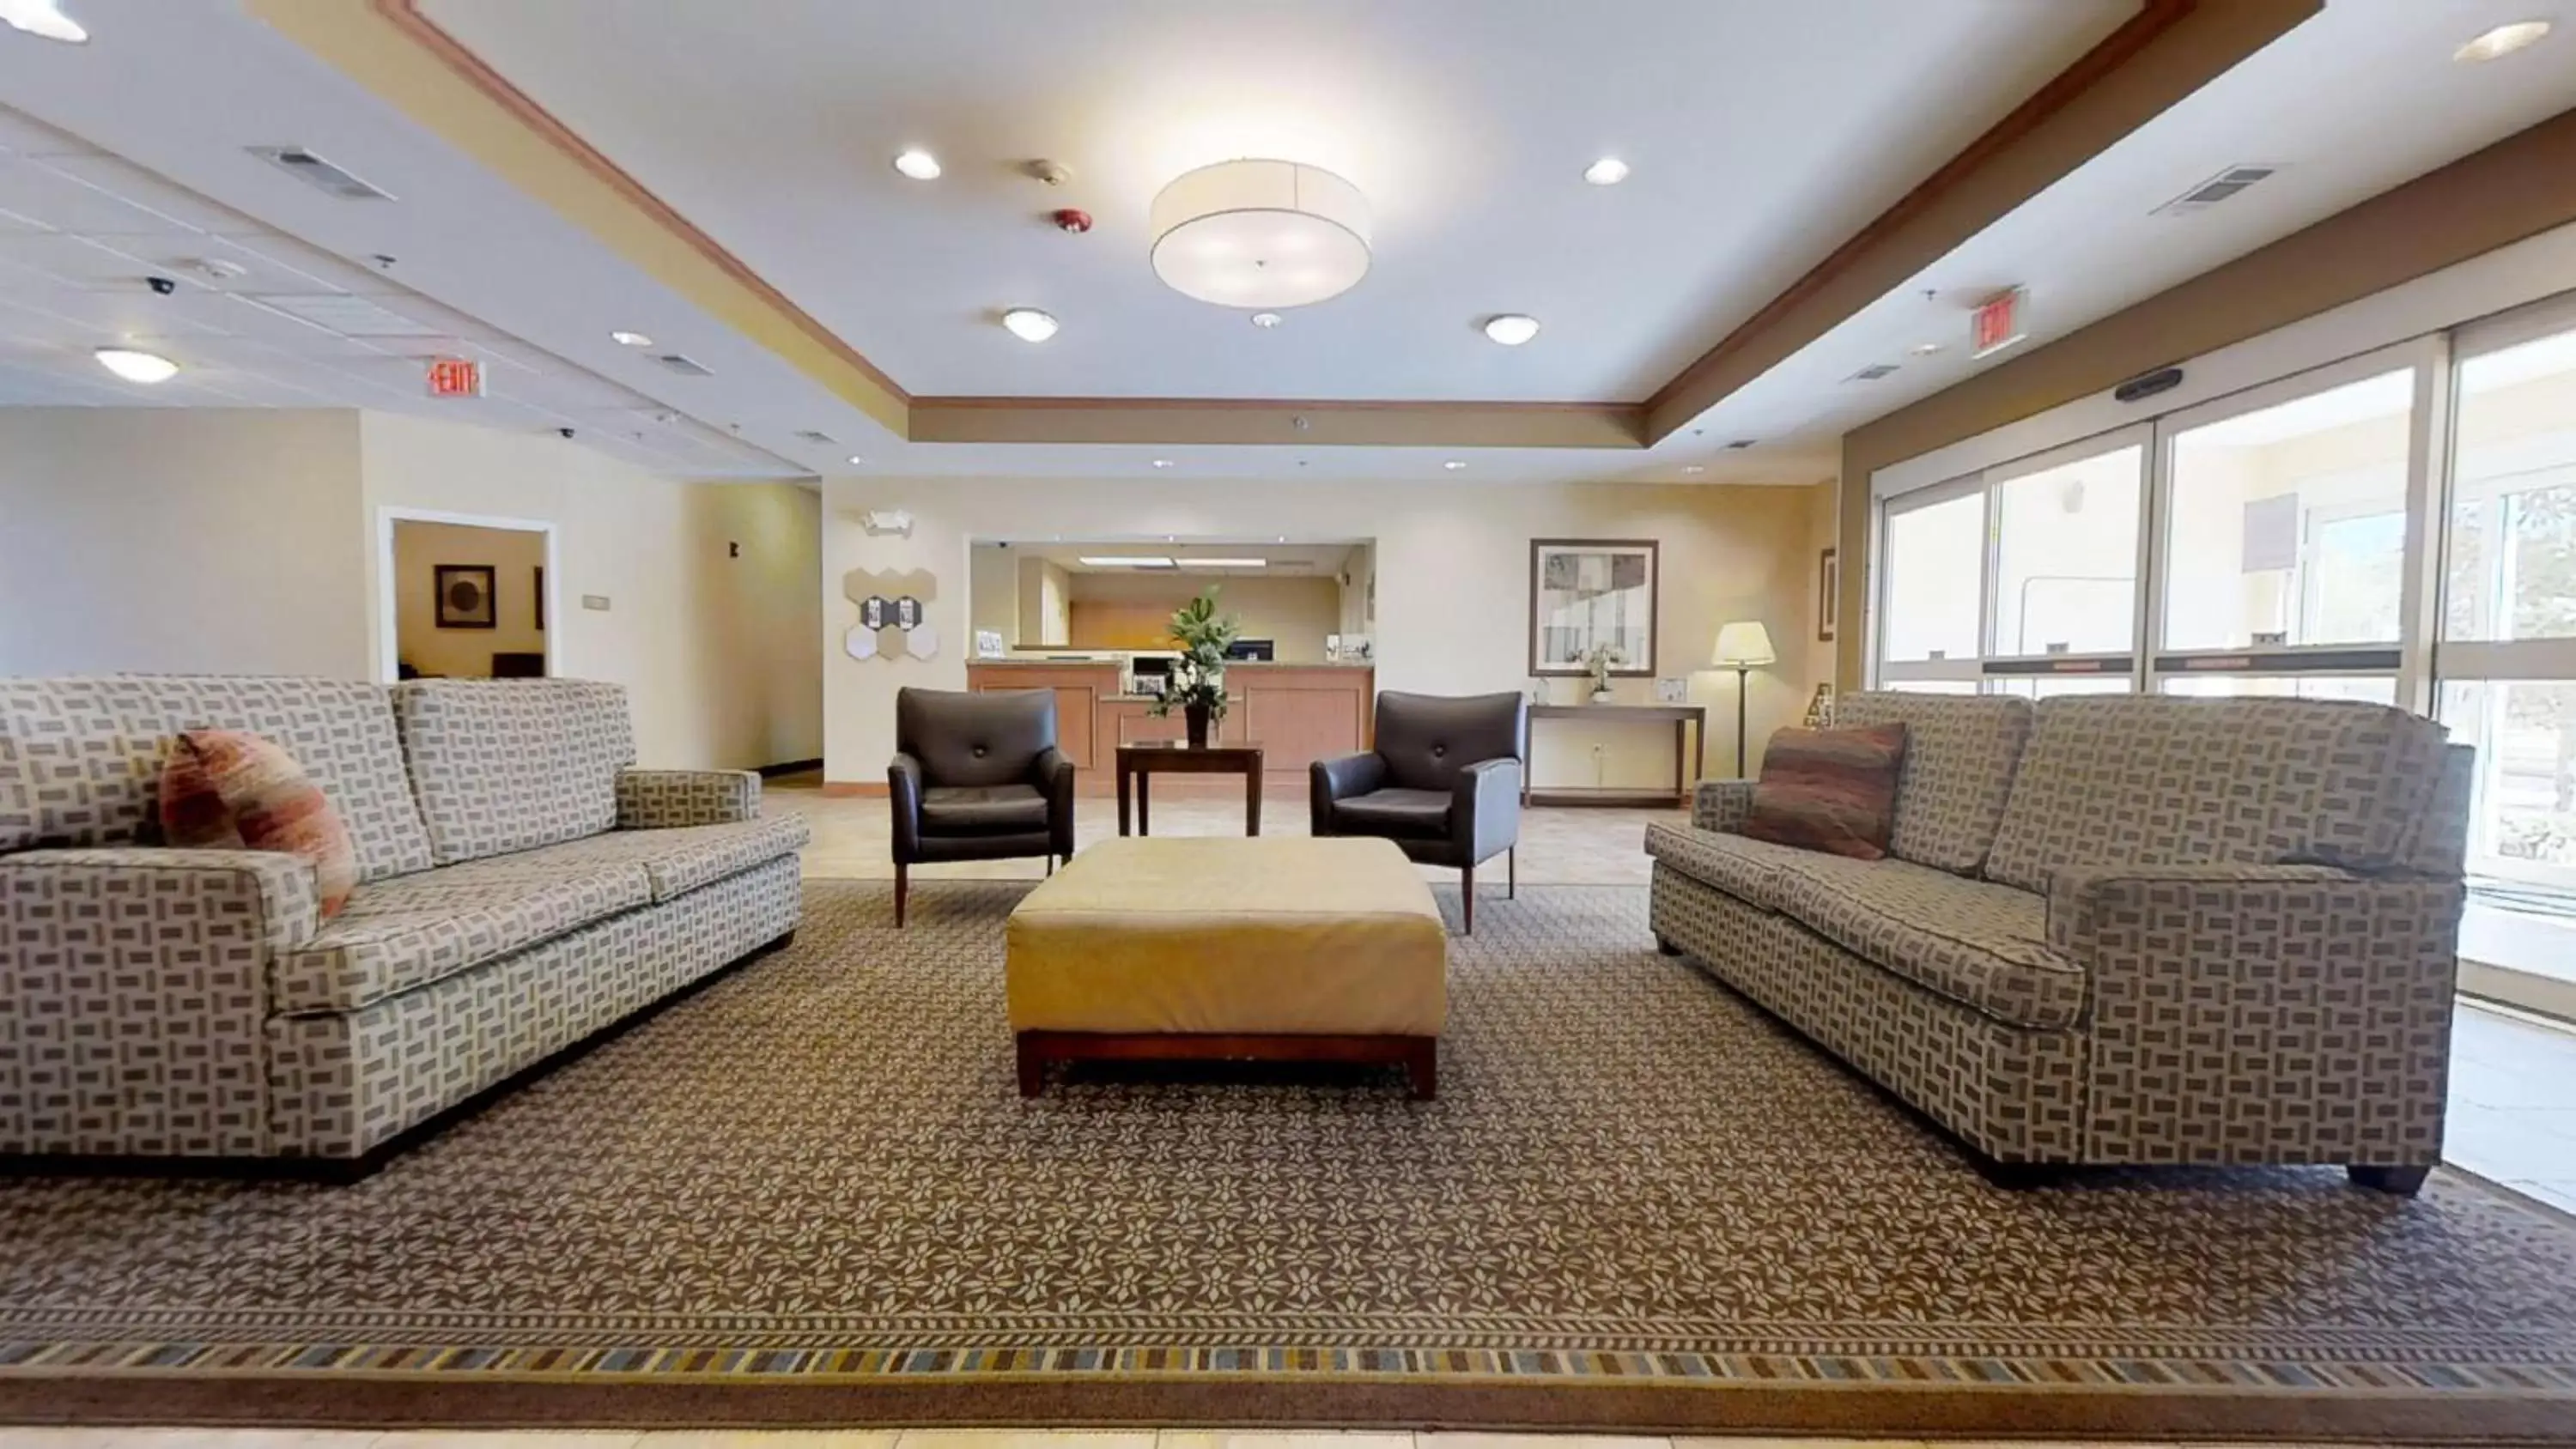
<point x="893" y="1439"/>
<point x="2513" y="1103"/>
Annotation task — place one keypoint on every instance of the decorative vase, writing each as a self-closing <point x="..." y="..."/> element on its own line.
<point x="1197" y="716"/>
<point x="1602" y="696"/>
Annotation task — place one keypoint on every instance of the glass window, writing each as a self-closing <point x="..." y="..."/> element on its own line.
<point x="2049" y="686"/>
<point x="2525" y="735"/>
<point x="1932" y="686"/>
<point x="2369" y="689"/>
<point x="2512" y="568"/>
<point x="1935" y="579"/>
<point x="2066" y="557"/>
<point x="2288" y="525"/>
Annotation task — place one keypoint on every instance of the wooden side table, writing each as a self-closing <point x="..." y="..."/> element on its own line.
<point x="1685" y="720"/>
<point x="1138" y="763"/>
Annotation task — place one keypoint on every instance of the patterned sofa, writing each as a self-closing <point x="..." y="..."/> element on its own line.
<point x="2124" y="930"/>
<point x="520" y="888"/>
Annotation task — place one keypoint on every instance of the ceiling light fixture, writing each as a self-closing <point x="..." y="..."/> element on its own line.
<point x="1029" y="324"/>
<point x="1124" y="561"/>
<point x="1608" y="171"/>
<point x="1693" y="468"/>
<point x="855" y="460"/>
<point x="1511" y="329"/>
<point x="1453" y="465"/>
<point x="1265" y="234"/>
<point x="1265" y="319"/>
<point x="1162" y="462"/>
<point x="1227" y="563"/>
<point x="2502" y="41"/>
<point x="919" y="165"/>
<point x="143" y="367"/>
<point x="630" y="339"/>
<point x="1924" y="349"/>
<point x="43" y="18"/>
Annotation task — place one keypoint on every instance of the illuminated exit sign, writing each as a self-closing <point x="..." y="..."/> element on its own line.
<point x="455" y="377"/>
<point x="1999" y="322"/>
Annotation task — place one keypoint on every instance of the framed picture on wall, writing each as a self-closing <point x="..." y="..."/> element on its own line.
<point x="1829" y="593"/>
<point x="465" y="596"/>
<point x="1590" y="597"/>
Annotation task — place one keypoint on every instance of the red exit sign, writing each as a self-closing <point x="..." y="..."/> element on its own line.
<point x="455" y="377"/>
<point x="1998" y="323"/>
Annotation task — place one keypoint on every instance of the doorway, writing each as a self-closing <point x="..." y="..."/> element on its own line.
<point x="465" y="598"/>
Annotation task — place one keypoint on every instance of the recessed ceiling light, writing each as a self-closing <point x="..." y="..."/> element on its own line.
<point x="919" y="165"/>
<point x="1265" y="319"/>
<point x="1227" y="563"/>
<point x="1162" y="462"/>
<point x="1511" y="329"/>
<point x="42" y="18"/>
<point x="1124" y="561"/>
<point x="1693" y="468"/>
<point x="1453" y="465"/>
<point x="1029" y="324"/>
<point x="145" y="367"/>
<point x="855" y="460"/>
<point x="1924" y="349"/>
<point x="1608" y="171"/>
<point x="630" y="339"/>
<point x="2503" y="40"/>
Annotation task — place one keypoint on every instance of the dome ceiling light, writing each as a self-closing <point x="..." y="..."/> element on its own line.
<point x="1260" y="234"/>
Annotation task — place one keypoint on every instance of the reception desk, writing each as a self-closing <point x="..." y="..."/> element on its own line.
<point x="1297" y="713"/>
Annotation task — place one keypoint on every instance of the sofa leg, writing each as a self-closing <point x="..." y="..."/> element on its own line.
<point x="1467" y="900"/>
<point x="1032" y="1067"/>
<point x="1665" y="945"/>
<point x="2397" y="1181"/>
<point x="1422" y="1067"/>
<point x="902" y="888"/>
<point x="2019" y="1176"/>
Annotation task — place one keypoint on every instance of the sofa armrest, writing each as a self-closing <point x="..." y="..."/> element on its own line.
<point x="138" y="997"/>
<point x="1721" y="804"/>
<point x="2287" y="1013"/>
<point x="1485" y="809"/>
<point x="666" y="799"/>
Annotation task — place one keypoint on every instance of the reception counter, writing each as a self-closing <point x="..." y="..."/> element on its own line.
<point x="1297" y="713"/>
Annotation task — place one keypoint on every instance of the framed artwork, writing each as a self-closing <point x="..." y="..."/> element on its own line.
<point x="1589" y="595"/>
<point x="1829" y="593"/>
<point x="465" y="596"/>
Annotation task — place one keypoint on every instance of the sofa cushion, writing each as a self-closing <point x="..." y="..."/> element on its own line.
<point x="1831" y="790"/>
<point x="1960" y="756"/>
<point x="503" y="765"/>
<point x="682" y="858"/>
<point x="1975" y="942"/>
<point x="81" y="759"/>
<point x="232" y="790"/>
<point x="1397" y="813"/>
<point x="982" y="809"/>
<point x="397" y="934"/>
<point x="2157" y="780"/>
<point x="1744" y="868"/>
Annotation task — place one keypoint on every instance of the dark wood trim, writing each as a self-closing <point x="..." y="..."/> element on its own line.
<point x="1654" y="603"/>
<point x="787" y="767"/>
<point x="1418" y="1055"/>
<point x="1623" y="799"/>
<point x="862" y="789"/>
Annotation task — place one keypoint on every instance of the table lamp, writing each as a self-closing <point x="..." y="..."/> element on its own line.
<point x="1742" y="646"/>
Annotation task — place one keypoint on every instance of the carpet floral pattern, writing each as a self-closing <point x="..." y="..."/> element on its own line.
<point x="818" y="1166"/>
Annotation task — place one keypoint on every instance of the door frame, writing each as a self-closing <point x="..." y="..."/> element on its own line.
<point x="388" y="588"/>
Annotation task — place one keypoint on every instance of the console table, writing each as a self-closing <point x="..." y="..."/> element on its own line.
<point x="1138" y="762"/>
<point x="1689" y="724"/>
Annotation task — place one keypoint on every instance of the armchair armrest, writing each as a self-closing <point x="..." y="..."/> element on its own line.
<point x="1721" y="804"/>
<point x="903" y="792"/>
<point x="140" y="1007"/>
<point x="1485" y="808"/>
<point x="1052" y="773"/>
<point x="1340" y="778"/>
<point x="664" y="799"/>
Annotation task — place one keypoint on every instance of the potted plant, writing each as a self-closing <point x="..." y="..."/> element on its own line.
<point x="1598" y="660"/>
<point x="1198" y="676"/>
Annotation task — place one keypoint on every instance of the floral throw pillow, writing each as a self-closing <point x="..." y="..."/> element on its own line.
<point x="232" y="790"/>
<point x="1829" y="790"/>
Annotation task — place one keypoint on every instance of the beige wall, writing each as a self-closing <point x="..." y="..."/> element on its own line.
<point x="1453" y="588"/>
<point x="1295" y="613"/>
<point x="163" y="539"/>
<point x="513" y="555"/>
<point x="714" y="650"/>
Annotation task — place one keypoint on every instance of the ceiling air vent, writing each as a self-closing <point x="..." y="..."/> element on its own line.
<point x="2215" y="190"/>
<point x="812" y="435"/>
<point x="685" y="366"/>
<point x="1872" y="373"/>
<point x="1742" y="443"/>
<point x="313" y="171"/>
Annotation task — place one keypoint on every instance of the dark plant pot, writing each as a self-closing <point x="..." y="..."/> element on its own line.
<point x="1197" y="716"/>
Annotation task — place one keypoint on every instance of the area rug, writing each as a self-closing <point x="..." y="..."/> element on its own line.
<point x="809" y="1193"/>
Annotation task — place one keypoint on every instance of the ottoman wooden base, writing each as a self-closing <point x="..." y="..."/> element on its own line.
<point x="1418" y="1055"/>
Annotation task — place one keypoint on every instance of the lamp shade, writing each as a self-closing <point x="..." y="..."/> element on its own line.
<point x="1743" y="645"/>
<point x="1260" y="234"/>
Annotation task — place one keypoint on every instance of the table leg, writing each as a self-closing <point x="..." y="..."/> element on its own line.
<point x="1252" y="802"/>
<point x="1125" y="777"/>
<point x="1144" y="802"/>
<point x="1681" y="759"/>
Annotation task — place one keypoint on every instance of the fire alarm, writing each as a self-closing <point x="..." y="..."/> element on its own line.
<point x="1073" y="220"/>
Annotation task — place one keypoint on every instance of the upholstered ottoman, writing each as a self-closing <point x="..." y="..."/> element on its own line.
<point x="1280" y="948"/>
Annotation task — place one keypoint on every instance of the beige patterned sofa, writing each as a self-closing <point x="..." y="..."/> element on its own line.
<point x="521" y="887"/>
<point x="2126" y="930"/>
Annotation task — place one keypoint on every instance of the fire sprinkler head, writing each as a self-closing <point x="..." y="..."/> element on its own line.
<point x="1053" y="173"/>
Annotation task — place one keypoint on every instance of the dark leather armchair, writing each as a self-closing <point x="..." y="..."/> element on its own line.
<point x="1444" y="783"/>
<point x="977" y="777"/>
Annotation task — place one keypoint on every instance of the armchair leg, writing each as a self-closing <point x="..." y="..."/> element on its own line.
<point x="902" y="888"/>
<point x="1467" y="898"/>
<point x="1512" y="874"/>
<point x="1050" y="862"/>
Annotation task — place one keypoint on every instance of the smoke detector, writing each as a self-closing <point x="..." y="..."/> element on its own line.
<point x="1053" y="173"/>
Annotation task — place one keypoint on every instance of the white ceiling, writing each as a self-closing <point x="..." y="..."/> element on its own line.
<point x="1761" y="135"/>
<point x="82" y="232"/>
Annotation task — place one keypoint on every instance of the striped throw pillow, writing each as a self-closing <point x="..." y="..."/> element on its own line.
<point x="1829" y="790"/>
<point x="232" y="790"/>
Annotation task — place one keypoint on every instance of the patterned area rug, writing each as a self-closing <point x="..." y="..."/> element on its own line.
<point x="810" y="1193"/>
